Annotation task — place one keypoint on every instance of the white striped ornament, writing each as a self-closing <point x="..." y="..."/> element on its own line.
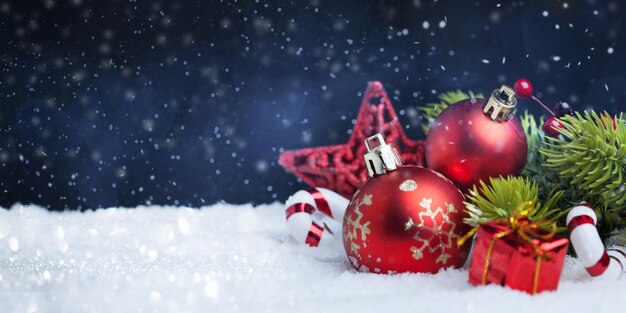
<point x="315" y="216"/>
<point x="584" y="236"/>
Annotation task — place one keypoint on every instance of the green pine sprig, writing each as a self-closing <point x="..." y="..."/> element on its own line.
<point x="587" y="162"/>
<point x="591" y="155"/>
<point x="502" y="196"/>
<point x="430" y="111"/>
<point x="548" y="181"/>
<point x="534" y="162"/>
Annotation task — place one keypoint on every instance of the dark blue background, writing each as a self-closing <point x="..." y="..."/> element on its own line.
<point x="121" y="103"/>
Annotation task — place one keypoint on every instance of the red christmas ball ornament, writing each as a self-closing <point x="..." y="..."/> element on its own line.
<point x="404" y="218"/>
<point x="551" y="127"/>
<point x="475" y="139"/>
<point x="523" y="88"/>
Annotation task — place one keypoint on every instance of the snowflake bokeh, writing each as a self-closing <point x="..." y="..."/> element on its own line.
<point x="123" y="103"/>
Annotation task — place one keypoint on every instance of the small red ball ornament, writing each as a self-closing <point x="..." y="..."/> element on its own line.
<point x="551" y="127"/>
<point x="475" y="139"/>
<point x="404" y="218"/>
<point x="523" y="88"/>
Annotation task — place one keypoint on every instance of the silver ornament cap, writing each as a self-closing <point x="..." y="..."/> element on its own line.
<point x="381" y="157"/>
<point x="501" y="102"/>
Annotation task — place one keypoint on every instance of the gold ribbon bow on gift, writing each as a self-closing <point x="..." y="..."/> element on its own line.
<point x="520" y="224"/>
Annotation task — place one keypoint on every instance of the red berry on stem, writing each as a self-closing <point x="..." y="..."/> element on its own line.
<point x="523" y="88"/>
<point x="551" y="127"/>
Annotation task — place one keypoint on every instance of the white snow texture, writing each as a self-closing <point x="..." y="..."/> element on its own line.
<point x="227" y="258"/>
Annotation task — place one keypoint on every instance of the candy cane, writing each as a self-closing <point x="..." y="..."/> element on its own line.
<point x="581" y="225"/>
<point x="315" y="216"/>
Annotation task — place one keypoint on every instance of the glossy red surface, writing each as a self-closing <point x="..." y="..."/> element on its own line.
<point x="407" y="220"/>
<point x="523" y="88"/>
<point x="551" y="127"/>
<point x="467" y="146"/>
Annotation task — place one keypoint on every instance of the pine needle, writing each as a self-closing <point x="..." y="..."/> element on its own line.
<point x="591" y="155"/>
<point x="548" y="181"/>
<point x="499" y="199"/>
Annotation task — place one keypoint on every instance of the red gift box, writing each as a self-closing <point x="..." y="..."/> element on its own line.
<point x="513" y="261"/>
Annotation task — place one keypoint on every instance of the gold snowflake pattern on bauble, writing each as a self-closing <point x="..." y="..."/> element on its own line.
<point x="408" y="185"/>
<point x="357" y="224"/>
<point x="446" y="238"/>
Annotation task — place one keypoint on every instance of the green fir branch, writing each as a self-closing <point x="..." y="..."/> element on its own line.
<point x="502" y="196"/>
<point x="587" y="162"/>
<point x="591" y="155"/>
<point x="430" y="111"/>
<point x="548" y="181"/>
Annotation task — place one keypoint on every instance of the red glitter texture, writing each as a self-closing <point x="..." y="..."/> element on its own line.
<point x="341" y="167"/>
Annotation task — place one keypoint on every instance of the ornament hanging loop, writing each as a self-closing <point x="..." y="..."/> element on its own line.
<point x="501" y="103"/>
<point x="381" y="157"/>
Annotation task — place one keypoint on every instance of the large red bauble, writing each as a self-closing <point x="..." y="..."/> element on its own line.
<point x="467" y="146"/>
<point x="407" y="220"/>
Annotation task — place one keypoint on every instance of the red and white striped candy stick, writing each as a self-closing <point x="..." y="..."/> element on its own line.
<point x="581" y="225"/>
<point x="315" y="216"/>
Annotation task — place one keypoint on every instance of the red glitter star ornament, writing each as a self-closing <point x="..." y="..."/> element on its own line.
<point x="341" y="167"/>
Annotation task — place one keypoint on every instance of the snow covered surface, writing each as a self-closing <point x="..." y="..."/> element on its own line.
<point x="227" y="258"/>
